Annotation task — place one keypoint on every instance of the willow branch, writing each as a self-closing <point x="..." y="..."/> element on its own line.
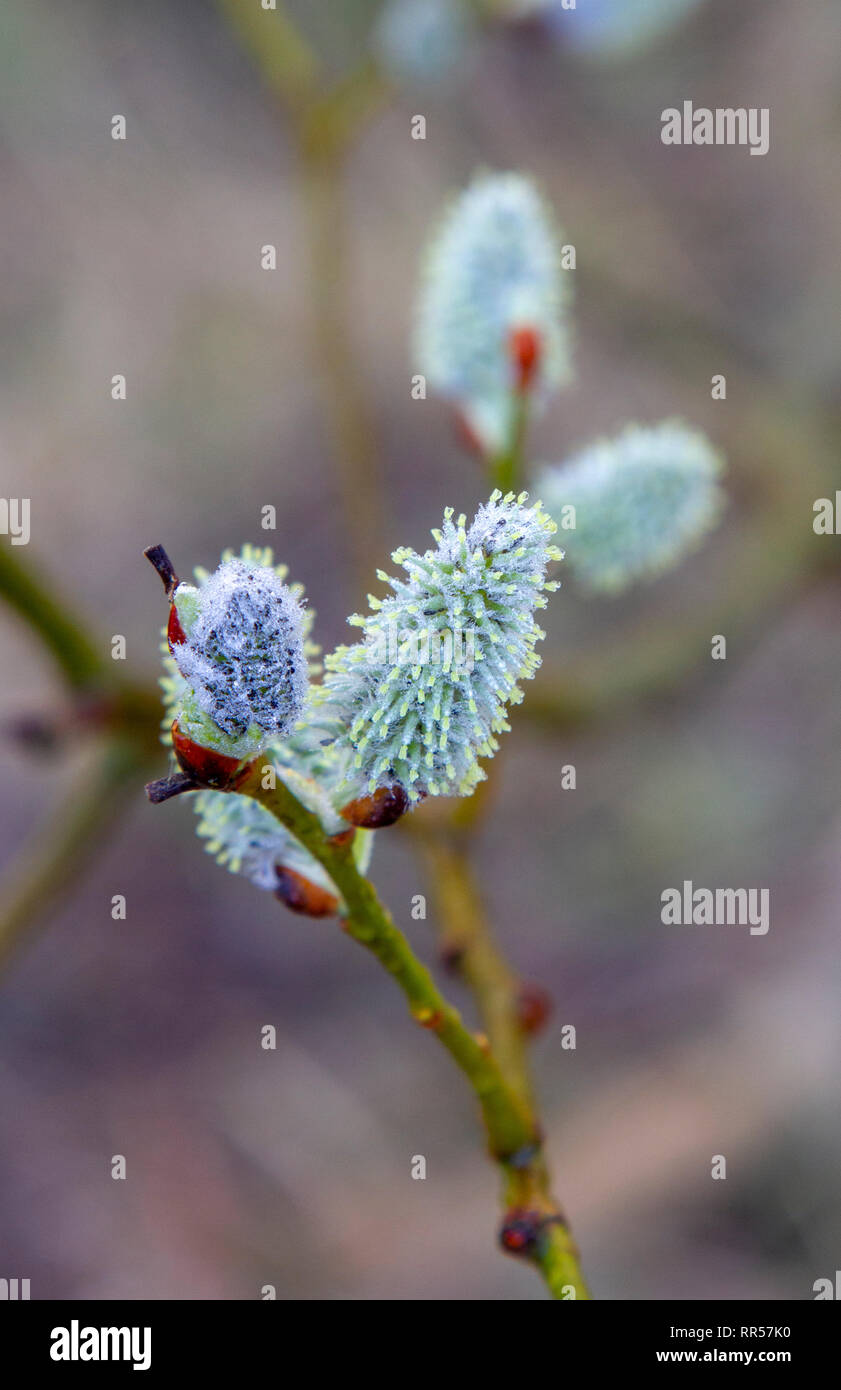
<point x="62" y="851"/>
<point x="513" y="1138"/>
<point x="124" y="711"/>
<point x="466" y="941"/>
<point x="287" y="61"/>
<point x="335" y="119"/>
<point x="103" y="698"/>
<point x="369" y="923"/>
<point x="325" y="122"/>
<point x="507" y="466"/>
<point x="80" y="662"/>
<point x="444" y="836"/>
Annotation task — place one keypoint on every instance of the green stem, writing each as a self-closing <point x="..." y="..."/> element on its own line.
<point x="287" y="61"/>
<point x="465" y="934"/>
<point x="466" y="937"/>
<point x="513" y="1138"/>
<point x="507" y="466"/>
<point x="336" y="118"/>
<point x="61" y="852"/>
<point x="78" y="659"/>
<point x="125" y="711"/>
<point x="369" y="923"/>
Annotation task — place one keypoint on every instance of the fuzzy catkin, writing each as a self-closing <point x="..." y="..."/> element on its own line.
<point x="242" y="668"/>
<point x="641" y="502"/>
<point x="423" y="695"/>
<point x="492" y="269"/>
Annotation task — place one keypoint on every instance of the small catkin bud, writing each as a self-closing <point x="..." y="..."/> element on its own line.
<point x="410" y="709"/>
<point x="422" y="40"/>
<point x="173" y="684"/>
<point x="253" y="626"/>
<point x="632" y="507"/>
<point x="492" y="314"/>
<point x="242" y="659"/>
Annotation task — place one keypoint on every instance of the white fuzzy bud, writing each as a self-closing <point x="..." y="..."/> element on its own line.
<point x="641" y="502"/>
<point x="242" y="660"/>
<point x="493" y="272"/>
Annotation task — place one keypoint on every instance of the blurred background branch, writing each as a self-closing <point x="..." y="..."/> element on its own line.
<point x="66" y="638"/>
<point x="325" y="121"/>
<point x="122" y="714"/>
<point x="60" y="850"/>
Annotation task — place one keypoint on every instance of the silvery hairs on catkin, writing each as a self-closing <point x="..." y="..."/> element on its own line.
<point x="639" y="503"/>
<point x="417" y="713"/>
<point x="243" y="658"/>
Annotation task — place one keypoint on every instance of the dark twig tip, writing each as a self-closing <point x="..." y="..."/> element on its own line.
<point x="165" y="787"/>
<point x="157" y="556"/>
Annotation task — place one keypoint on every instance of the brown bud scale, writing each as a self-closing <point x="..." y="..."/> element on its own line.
<point x="302" y="895"/>
<point x="525" y="352"/>
<point x="175" y="634"/>
<point x="379" y="809"/>
<point x="207" y="767"/>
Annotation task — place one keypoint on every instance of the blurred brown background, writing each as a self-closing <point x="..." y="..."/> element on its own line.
<point x="142" y="1037"/>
